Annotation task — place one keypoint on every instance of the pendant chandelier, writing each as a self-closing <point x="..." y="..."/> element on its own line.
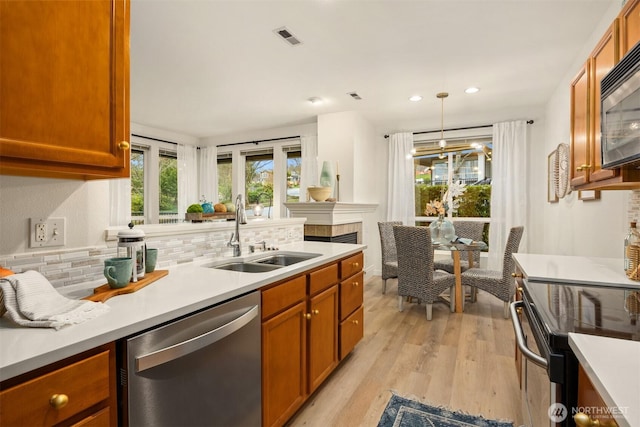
<point x="442" y="143"/>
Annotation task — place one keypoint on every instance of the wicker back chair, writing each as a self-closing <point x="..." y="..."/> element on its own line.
<point x="389" y="253"/>
<point x="416" y="276"/>
<point x="470" y="230"/>
<point x="498" y="283"/>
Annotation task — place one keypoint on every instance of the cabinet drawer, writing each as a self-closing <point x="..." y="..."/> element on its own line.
<point x="99" y="419"/>
<point x="351" y="265"/>
<point x="283" y="296"/>
<point x="321" y="279"/>
<point x="351" y="332"/>
<point x="351" y="294"/>
<point x="85" y="383"/>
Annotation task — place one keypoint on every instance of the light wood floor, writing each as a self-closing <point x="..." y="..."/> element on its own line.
<point x="461" y="361"/>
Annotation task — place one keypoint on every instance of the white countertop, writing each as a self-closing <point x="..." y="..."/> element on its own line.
<point x="589" y="271"/>
<point x="187" y="288"/>
<point x="613" y="366"/>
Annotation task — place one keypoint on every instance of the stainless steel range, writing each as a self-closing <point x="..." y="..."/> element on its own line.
<point x="550" y="369"/>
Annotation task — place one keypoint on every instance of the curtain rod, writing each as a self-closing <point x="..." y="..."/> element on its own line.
<point x="154" y="139"/>
<point x="259" y="141"/>
<point x="529" y="122"/>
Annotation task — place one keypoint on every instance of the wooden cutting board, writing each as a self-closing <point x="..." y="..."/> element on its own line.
<point x="104" y="292"/>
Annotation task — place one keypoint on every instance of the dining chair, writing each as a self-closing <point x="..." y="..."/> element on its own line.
<point x="389" y="253"/>
<point x="416" y="276"/>
<point x="470" y="230"/>
<point x="498" y="283"/>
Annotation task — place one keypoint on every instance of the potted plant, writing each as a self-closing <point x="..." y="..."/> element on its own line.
<point x="194" y="212"/>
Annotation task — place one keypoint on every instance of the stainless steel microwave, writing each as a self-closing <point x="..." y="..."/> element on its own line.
<point x="620" y="112"/>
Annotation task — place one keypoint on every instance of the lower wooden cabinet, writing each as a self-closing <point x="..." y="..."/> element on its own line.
<point x="309" y="323"/>
<point x="76" y="391"/>
<point x="589" y="400"/>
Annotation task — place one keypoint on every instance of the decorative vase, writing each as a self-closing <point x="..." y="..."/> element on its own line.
<point x="442" y="230"/>
<point x="326" y="176"/>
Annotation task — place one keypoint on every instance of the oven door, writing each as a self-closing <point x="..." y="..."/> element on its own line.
<point x="538" y="392"/>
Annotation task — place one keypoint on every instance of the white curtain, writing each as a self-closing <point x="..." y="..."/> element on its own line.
<point x="119" y="201"/>
<point x="209" y="174"/>
<point x="401" y="199"/>
<point x="187" y="177"/>
<point x="309" y="167"/>
<point x="508" y="187"/>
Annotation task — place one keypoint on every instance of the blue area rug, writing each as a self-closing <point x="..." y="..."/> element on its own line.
<point x="401" y="412"/>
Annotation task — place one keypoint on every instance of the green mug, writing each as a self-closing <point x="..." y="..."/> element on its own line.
<point x="118" y="271"/>
<point x="150" y="261"/>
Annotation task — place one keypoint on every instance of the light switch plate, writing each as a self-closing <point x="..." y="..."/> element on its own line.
<point x="45" y="232"/>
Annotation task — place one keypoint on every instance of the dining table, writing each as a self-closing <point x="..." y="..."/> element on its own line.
<point x="456" y="248"/>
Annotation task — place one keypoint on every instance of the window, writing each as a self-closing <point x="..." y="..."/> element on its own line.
<point x="154" y="182"/>
<point x="225" y="178"/>
<point x="137" y="186"/>
<point x="464" y="160"/>
<point x="294" y="164"/>
<point x="258" y="177"/>
<point x="168" y="197"/>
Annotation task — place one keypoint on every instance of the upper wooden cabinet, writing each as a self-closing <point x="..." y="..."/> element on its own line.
<point x="586" y="163"/>
<point x="629" y="26"/>
<point x="64" y="88"/>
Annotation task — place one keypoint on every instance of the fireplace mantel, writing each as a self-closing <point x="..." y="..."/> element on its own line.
<point x="330" y="213"/>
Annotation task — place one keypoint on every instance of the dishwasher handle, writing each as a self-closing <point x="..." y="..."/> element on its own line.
<point x="522" y="345"/>
<point x="167" y="354"/>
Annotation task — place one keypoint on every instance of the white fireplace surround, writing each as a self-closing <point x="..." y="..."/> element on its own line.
<point x="330" y="213"/>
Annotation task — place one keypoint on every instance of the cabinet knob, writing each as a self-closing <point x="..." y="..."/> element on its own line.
<point x="518" y="275"/>
<point x="584" y="420"/>
<point x="316" y="312"/>
<point x="519" y="289"/>
<point x="123" y="145"/>
<point x="355" y="284"/>
<point x="519" y="310"/>
<point x="356" y="264"/>
<point x="355" y="322"/>
<point x="58" y="401"/>
<point x="307" y="315"/>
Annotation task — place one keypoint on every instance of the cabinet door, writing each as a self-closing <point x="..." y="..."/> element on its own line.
<point x="351" y="331"/>
<point x="629" y="26"/>
<point x="351" y="294"/>
<point x="579" y="128"/>
<point x="64" y="94"/>
<point x="283" y="365"/>
<point x="603" y="58"/>
<point x="588" y="397"/>
<point x="323" y="336"/>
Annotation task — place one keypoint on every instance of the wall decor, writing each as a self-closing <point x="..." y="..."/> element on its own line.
<point x="562" y="171"/>
<point x="587" y="195"/>
<point x="552" y="197"/>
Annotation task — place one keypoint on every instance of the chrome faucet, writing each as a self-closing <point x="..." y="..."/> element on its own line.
<point x="241" y="218"/>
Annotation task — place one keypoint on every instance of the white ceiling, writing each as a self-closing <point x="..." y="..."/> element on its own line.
<point x="215" y="67"/>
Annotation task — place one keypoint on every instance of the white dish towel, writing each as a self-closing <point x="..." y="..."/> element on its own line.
<point x="31" y="300"/>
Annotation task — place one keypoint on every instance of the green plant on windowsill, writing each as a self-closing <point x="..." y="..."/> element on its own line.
<point x="194" y="212"/>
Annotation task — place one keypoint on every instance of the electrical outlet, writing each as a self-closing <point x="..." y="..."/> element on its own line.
<point x="41" y="232"/>
<point x="47" y="232"/>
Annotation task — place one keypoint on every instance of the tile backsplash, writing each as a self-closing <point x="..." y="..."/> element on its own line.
<point x="80" y="265"/>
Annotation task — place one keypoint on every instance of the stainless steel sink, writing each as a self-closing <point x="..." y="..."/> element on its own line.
<point x="284" y="259"/>
<point x="262" y="264"/>
<point x="246" y="267"/>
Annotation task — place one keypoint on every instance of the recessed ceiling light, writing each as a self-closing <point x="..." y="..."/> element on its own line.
<point x="472" y="90"/>
<point x="315" y="100"/>
<point x="415" y="98"/>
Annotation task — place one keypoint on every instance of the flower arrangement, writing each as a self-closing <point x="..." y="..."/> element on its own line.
<point x="449" y="202"/>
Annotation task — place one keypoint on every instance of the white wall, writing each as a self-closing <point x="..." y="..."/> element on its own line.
<point x="83" y="204"/>
<point x="572" y="226"/>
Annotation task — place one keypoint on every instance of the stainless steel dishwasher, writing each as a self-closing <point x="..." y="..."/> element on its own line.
<point x="201" y="370"/>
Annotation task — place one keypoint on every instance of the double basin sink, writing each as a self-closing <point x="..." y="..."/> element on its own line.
<point x="265" y="263"/>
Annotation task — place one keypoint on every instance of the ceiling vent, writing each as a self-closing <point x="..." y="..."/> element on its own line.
<point x="355" y="96"/>
<point x="286" y="35"/>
